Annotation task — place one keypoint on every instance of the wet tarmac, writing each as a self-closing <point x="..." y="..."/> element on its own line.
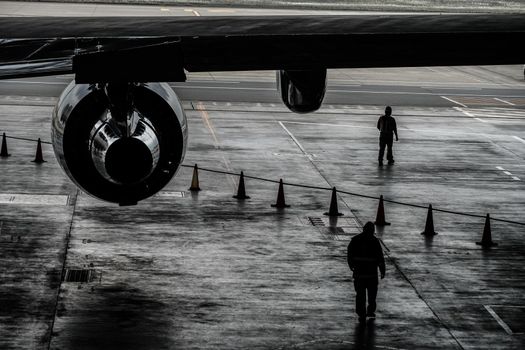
<point x="203" y="270"/>
<point x="184" y="270"/>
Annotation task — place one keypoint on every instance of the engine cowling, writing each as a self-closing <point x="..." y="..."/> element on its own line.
<point x="119" y="158"/>
<point x="302" y="91"/>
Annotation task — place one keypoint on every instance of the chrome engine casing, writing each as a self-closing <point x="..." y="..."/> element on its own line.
<point x="111" y="166"/>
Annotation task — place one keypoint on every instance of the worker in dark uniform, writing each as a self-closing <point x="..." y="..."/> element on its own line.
<point x="386" y="126"/>
<point x="364" y="257"/>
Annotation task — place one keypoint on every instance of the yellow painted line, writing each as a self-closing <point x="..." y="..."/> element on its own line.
<point x="207" y="122"/>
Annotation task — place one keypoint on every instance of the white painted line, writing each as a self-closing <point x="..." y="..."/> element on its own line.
<point x="519" y="139"/>
<point x="516" y="178"/>
<point x="500" y="168"/>
<point x="296" y="142"/>
<point x="507" y="102"/>
<point x="468" y="114"/>
<point x="456" y="102"/>
<point x="196" y="13"/>
<point x="481" y="120"/>
<point x="334" y="125"/>
<point x="221" y="87"/>
<point x="498" y="319"/>
<point x="164" y="9"/>
<point x="507" y="173"/>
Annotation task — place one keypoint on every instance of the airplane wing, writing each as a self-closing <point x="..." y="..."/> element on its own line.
<point x="161" y="48"/>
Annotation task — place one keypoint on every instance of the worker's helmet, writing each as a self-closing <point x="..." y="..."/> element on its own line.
<point x="369" y="228"/>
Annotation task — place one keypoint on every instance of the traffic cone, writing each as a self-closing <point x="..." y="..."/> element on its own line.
<point x="429" y="225"/>
<point x="486" y="239"/>
<point x="3" y="152"/>
<point x="241" y="192"/>
<point x="280" y="197"/>
<point x="195" y="179"/>
<point x="380" y="217"/>
<point x="333" y="211"/>
<point x="38" y="157"/>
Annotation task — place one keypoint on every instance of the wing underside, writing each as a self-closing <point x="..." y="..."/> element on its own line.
<point x="161" y="49"/>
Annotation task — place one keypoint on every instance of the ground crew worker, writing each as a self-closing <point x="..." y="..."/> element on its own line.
<point x="386" y="126"/>
<point x="364" y="257"/>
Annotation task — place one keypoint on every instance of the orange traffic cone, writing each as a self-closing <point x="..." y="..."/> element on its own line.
<point x="38" y="157"/>
<point x="333" y="211"/>
<point x="241" y="192"/>
<point x="380" y="217"/>
<point x="3" y="152"/>
<point x="429" y="225"/>
<point x="280" y="197"/>
<point x="195" y="179"/>
<point x="486" y="239"/>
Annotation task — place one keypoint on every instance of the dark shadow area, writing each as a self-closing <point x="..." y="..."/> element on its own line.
<point x="116" y="317"/>
<point x="429" y="240"/>
<point x="364" y="335"/>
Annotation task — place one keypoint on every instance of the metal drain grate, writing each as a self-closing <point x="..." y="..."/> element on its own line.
<point x="316" y="221"/>
<point x="77" y="275"/>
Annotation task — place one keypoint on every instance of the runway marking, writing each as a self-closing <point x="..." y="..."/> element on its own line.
<point x="498" y="319"/>
<point x="500" y="168"/>
<point x="516" y="178"/>
<point x="507" y="173"/>
<point x="164" y="9"/>
<point x="519" y="139"/>
<point x="469" y="114"/>
<point x="456" y="102"/>
<point x="196" y="13"/>
<point x="507" y="102"/>
<point x="296" y="142"/>
<point x="207" y="122"/>
<point x="33" y="199"/>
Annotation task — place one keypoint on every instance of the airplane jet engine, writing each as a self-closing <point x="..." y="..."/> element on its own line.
<point x="119" y="142"/>
<point x="302" y="91"/>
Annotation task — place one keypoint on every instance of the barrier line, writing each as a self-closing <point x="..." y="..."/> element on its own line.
<point x="24" y="139"/>
<point x="357" y="195"/>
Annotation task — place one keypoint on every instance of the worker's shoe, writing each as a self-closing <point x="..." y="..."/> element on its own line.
<point x="380" y="162"/>
<point x="362" y="319"/>
<point x="371" y="315"/>
<point x="390" y="162"/>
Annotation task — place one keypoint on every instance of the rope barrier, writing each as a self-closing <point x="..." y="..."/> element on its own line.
<point x="24" y="139"/>
<point x="326" y="189"/>
<point x="356" y="195"/>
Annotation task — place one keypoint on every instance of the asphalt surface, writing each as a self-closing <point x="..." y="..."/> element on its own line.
<point x="259" y="87"/>
<point x="203" y="270"/>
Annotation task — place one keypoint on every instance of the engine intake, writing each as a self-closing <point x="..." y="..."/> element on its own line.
<point x="119" y="153"/>
<point x="302" y="91"/>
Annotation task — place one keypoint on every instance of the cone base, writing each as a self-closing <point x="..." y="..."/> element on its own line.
<point x="487" y="244"/>
<point x="241" y="197"/>
<point x="39" y="161"/>
<point x="336" y="214"/>
<point x="429" y="233"/>
<point x="5" y="155"/>
<point x="382" y="223"/>
<point x="280" y="206"/>
<point x="193" y="189"/>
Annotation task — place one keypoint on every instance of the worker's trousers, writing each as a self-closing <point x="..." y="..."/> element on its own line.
<point x="364" y="286"/>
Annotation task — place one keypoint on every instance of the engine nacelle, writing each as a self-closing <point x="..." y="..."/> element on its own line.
<point x="302" y="91"/>
<point x="119" y="157"/>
